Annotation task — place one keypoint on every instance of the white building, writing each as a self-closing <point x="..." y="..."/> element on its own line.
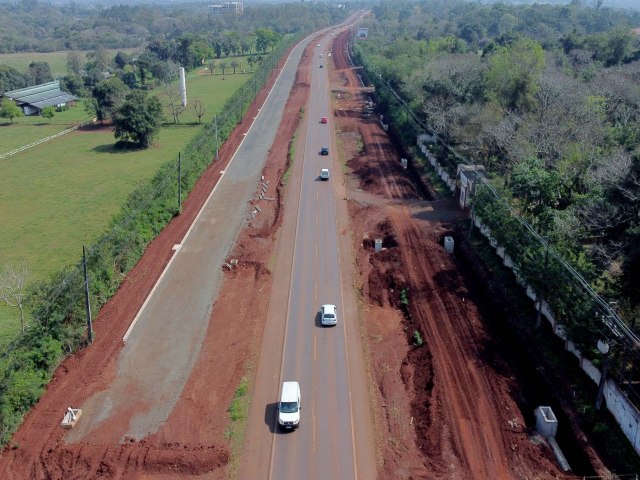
<point x="226" y="7"/>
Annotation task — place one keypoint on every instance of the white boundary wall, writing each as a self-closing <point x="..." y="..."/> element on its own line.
<point x="626" y="414"/>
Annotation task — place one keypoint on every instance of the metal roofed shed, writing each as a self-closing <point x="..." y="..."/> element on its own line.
<point x="33" y="99"/>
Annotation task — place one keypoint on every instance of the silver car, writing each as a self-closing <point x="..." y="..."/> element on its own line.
<point x="328" y="315"/>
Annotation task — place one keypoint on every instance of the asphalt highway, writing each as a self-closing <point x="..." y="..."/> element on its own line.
<point x="316" y="356"/>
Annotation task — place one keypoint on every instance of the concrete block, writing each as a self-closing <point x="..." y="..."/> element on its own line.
<point x="546" y="421"/>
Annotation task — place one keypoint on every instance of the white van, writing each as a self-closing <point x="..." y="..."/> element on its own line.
<point x="289" y="406"/>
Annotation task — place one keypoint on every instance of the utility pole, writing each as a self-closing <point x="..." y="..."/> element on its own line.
<point x="215" y="121"/>
<point x="86" y="295"/>
<point x="179" y="183"/>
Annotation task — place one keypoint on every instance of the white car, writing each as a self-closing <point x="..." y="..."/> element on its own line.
<point x="324" y="174"/>
<point x="289" y="406"/>
<point x="328" y="315"/>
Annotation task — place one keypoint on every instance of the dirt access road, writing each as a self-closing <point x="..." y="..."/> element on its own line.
<point x="440" y="411"/>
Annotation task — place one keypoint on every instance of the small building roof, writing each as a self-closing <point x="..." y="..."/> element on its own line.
<point x="40" y="96"/>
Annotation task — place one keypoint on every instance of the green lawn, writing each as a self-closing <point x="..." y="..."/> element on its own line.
<point x="57" y="60"/>
<point x="26" y="130"/>
<point x="59" y="195"/>
<point x="211" y="90"/>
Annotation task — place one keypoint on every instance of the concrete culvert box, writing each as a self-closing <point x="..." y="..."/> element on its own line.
<point x="546" y="422"/>
<point x="448" y="244"/>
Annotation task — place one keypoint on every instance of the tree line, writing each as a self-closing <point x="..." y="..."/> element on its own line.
<point x="30" y="25"/>
<point x="547" y="99"/>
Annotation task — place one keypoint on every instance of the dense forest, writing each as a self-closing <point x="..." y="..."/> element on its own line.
<point x="547" y="99"/>
<point x="35" y="26"/>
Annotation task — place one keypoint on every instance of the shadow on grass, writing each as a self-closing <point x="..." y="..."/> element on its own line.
<point x="117" y="147"/>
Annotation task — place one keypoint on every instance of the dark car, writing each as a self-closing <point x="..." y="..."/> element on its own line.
<point x="324" y="151"/>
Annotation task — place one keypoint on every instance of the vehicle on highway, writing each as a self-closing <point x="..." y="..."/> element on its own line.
<point x="289" y="406"/>
<point x="320" y="55"/>
<point x="323" y="120"/>
<point x="317" y="45"/>
<point x="324" y="150"/>
<point x="324" y="174"/>
<point x="328" y="315"/>
<point x="321" y="66"/>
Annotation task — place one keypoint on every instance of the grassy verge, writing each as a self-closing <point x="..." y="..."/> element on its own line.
<point x="26" y="130"/>
<point x="291" y="154"/>
<point x="238" y="412"/>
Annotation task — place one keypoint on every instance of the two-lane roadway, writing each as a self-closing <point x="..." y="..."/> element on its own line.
<point x="315" y="356"/>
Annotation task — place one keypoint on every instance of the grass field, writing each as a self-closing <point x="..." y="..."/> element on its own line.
<point x="57" y="60"/>
<point x="62" y="194"/>
<point x="26" y="130"/>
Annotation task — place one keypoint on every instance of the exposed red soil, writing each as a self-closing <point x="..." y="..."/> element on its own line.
<point x="192" y="442"/>
<point x="441" y="411"/>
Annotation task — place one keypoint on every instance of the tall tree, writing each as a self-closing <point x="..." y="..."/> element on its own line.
<point x="39" y="72"/>
<point x="138" y="118"/>
<point x="13" y="281"/>
<point x="199" y="108"/>
<point x="512" y="78"/>
<point x="11" y="79"/>
<point x="108" y="95"/>
<point x="74" y="62"/>
<point x="99" y="58"/>
<point x="174" y="101"/>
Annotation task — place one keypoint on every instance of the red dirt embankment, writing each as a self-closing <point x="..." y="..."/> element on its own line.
<point x="441" y="411"/>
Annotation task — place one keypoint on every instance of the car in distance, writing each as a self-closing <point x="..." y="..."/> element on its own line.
<point x="320" y="55"/>
<point x="321" y="66"/>
<point x="317" y="45"/>
<point x="328" y="315"/>
<point x="324" y="174"/>
<point x="323" y="120"/>
<point x="289" y="406"/>
<point x="324" y="150"/>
